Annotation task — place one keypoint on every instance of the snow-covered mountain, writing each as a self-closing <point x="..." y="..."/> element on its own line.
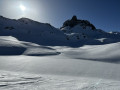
<point x="83" y="29"/>
<point x="42" y="58"/>
<point x="28" y="30"/>
<point x="74" y="32"/>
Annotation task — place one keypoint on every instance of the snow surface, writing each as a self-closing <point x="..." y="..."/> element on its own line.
<point x="37" y="56"/>
<point x="105" y="53"/>
<point x="11" y="46"/>
<point x="25" y="81"/>
<point x="84" y="68"/>
<point x="57" y="73"/>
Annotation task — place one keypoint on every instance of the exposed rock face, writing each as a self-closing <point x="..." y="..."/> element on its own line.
<point x="74" y="18"/>
<point x="74" y="21"/>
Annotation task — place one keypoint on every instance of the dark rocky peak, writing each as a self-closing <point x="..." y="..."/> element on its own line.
<point x="74" y="18"/>
<point x="74" y="21"/>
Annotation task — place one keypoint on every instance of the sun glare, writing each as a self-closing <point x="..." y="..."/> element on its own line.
<point x="22" y="7"/>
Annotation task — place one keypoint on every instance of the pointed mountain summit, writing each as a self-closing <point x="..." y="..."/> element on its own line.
<point x="74" y="18"/>
<point x="74" y="21"/>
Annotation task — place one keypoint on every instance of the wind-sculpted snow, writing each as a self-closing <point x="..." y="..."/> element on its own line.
<point x="40" y="51"/>
<point x="10" y="80"/>
<point x="66" y="71"/>
<point x="11" y="46"/>
<point x="105" y="53"/>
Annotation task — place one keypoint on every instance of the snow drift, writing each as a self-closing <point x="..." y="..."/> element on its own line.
<point x="105" y="53"/>
<point x="11" y="46"/>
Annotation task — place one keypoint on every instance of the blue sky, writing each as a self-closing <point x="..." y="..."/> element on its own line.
<point x="104" y="14"/>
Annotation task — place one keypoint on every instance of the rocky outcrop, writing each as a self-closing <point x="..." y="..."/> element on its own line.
<point x="74" y="21"/>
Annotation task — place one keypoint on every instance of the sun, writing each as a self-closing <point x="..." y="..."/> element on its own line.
<point x="22" y="7"/>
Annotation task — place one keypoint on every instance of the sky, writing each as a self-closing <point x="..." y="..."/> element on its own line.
<point x="104" y="14"/>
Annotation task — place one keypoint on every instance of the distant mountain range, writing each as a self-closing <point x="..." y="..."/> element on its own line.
<point x="74" y="32"/>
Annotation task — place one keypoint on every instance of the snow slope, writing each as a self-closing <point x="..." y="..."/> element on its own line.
<point x="25" y="29"/>
<point x="11" y="46"/>
<point x="105" y="53"/>
<point x="84" y="68"/>
<point x="43" y="59"/>
<point x="57" y="72"/>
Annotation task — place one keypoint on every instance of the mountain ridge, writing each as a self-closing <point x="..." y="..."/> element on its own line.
<point x="74" y="32"/>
